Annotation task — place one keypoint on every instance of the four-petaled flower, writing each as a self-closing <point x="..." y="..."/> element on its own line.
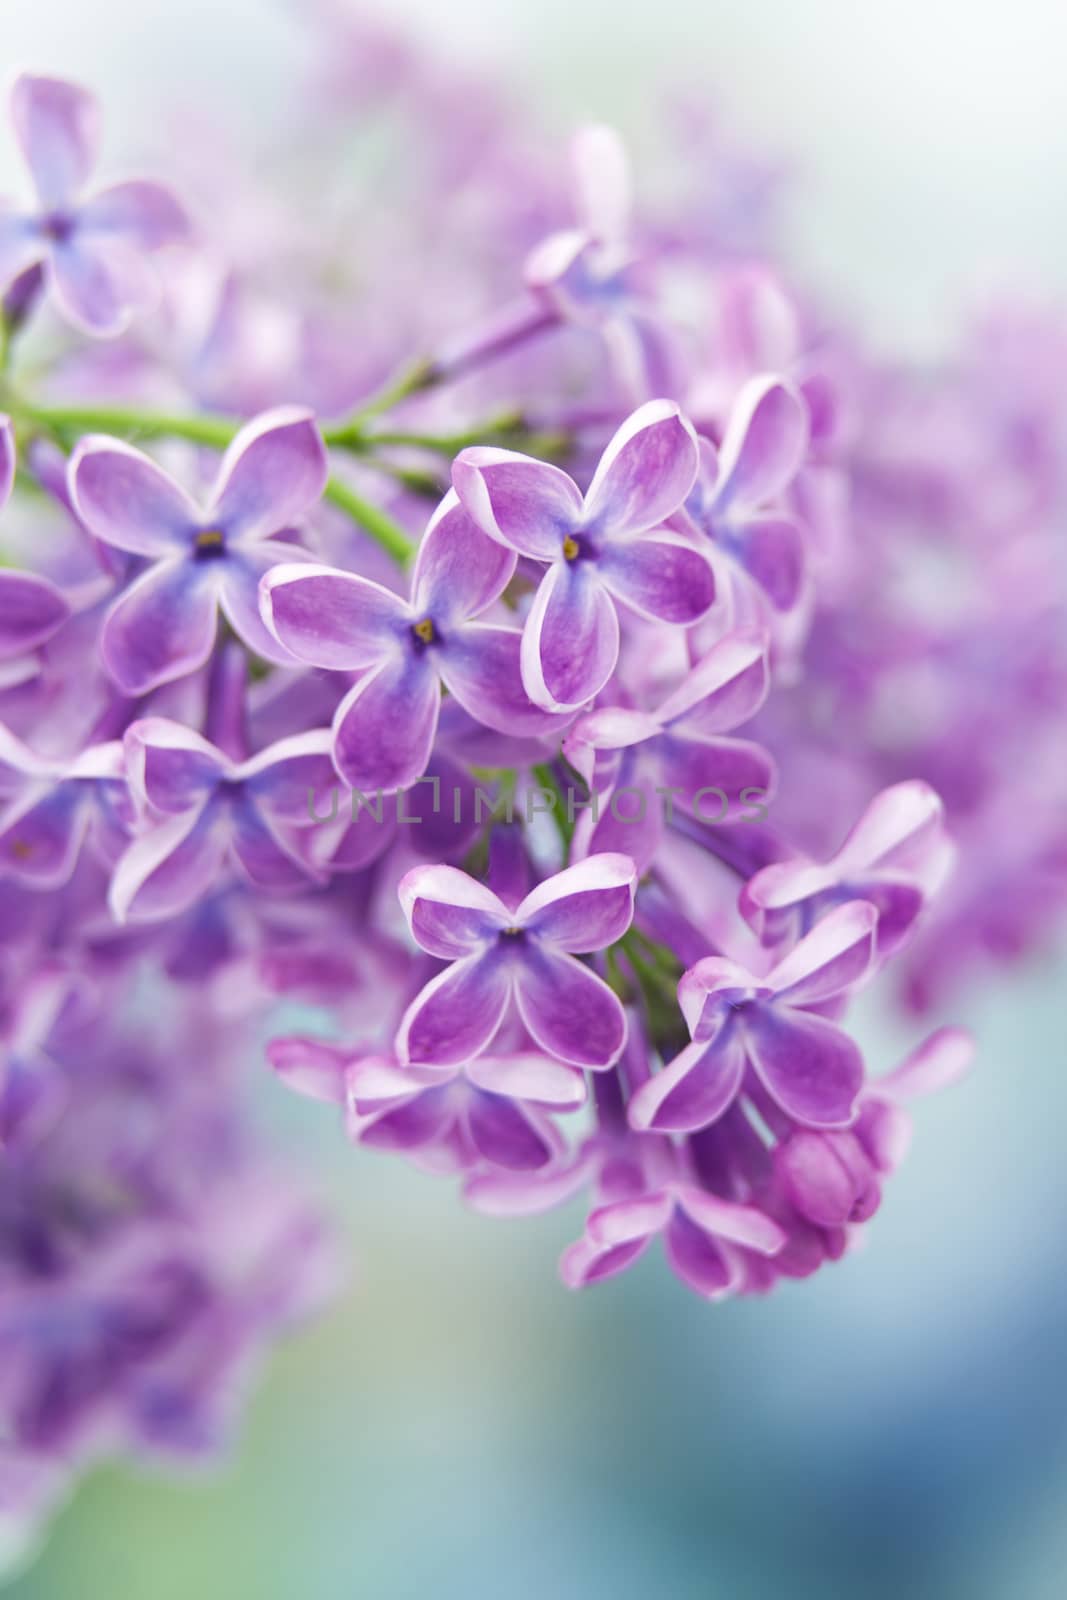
<point x="385" y="727"/>
<point x="164" y="625"/>
<point x="896" y="857"/>
<point x="92" y="248"/>
<point x="607" y="545"/>
<point x="51" y="804"/>
<point x="499" y="954"/>
<point x="204" y="810"/>
<point x="808" y="1065"/>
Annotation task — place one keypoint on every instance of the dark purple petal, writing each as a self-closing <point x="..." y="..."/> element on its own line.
<point x="272" y="475"/>
<point x="145" y="212"/>
<point x="457" y="1014"/>
<point x="505" y="1134"/>
<point x="707" y="769"/>
<point x="481" y="666"/>
<point x="701" y="1263"/>
<point x="170" y="767"/>
<point x="384" y="727"/>
<point x="567" y="1009"/>
<point x="124" y="498"/>
<point x="162" y="628"/>
<point x="659" y="576"/>
<point x="570" y="643"/>
<point x="812" y="1068"/>
<point x="450" y="914"/>
<point x="645" y="473"/>
<point x="693" y="1090"/>
<point x="57" y="126"/>
<point x="330" y="618"/>
<point x="765" y="444"/>
<point x="459" y="570"/>
<point x="411" y="1125"/>
<point x="583" y="908"/>
<point x="31" y="610"/>
<point x="41" y="834"/>
<point x="527" y="505"/>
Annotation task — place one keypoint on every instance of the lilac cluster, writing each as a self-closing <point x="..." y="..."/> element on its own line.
<point x="403" y="698"/>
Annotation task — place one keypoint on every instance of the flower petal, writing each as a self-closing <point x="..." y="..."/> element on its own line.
<point x="124" y="498"/>
<point x="162" y="628"/>
<point x="810" y="1067"/>
<point x="450" y="914"/>
<point x="897" y="819"/>
<point x="482" y="667"/>
<point x="240" y="574"/>
<point x="41" y="834"/>
<point x="145" y="212"/>
<point x="701" y="1263"/>
<point x="584" y="1262"/>
<point x="537" y="1078"/>
<point x="527" y="505"/>
<point x="602" y="174"/>
<point x="57" y="127"/>
<point x="771" y="550"/>
<point x="455" y="1017"/>
<point x="384" y="727"/>
<point x="459" y="570"/>
<point x="691" y="1091"/>
<point x="707" y="770"/>
<point x="264" y="857"/>
<point x="570" y="643"/>
<point x="169" y="767"/>
<point x="288" y="778"/>
<point x="505" y="1134"/>
<point x="330" y="618"/>
<point x="168" y="868"/>
<point x="31" y="609"/>
<point x="724" y="689"/>
<point x="22" y="247"/>
<point x="101" y="283"/>
<point x="567" y="1009"/>
<point x="8" y="459"/>
<point x="942" y="1059"/>
<point x="312" y="1067"/>
<point x="585" y="907"/>
<point x="645" y="473"/>
<point x="740" y="1224"/>
<point x="764" y="446"/>
<point x="273" y="473"/>
<point x="659" y="576"/>
<point x="836" y="955"/>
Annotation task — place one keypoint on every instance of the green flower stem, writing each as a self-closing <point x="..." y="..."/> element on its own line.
<point x="548" y="781"/>
<point x="381" y="527"/>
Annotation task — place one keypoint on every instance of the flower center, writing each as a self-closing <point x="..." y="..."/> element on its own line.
<point x="424" y="631"/>
<point x="512" y="933"/>
<point x="571" y="548"/>
<point x="209" y="542"/>
<point x="58" y="227"/>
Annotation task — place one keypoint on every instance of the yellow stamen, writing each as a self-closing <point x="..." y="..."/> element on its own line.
<point x="424" y="630"/>
<point x="570" y="548"/>
<point x="210" y="539"/>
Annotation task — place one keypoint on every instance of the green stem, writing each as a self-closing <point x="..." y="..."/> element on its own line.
<point x="560" y="812"/>
<point x="381" y="527"/>
<point x="414" y="380"/>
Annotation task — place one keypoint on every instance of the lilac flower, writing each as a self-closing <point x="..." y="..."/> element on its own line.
<point x="896" y="858"/>
<point x="32" y="609"/>
<point x="164" y="625"/>
<point x="771" y="1026"/>
<point x="492" y="1110"/>
<point x="93" y="248"/>
<point x="608" y="545"/>
<point x="735" y="500"/>
<point x="525" y="954"/>
<point x="589" y="275"/>
<point x="385" y="726"/>
<point x="49" y="805"/>
<point x="204" y="810"/>
<point x="675" y="755"/>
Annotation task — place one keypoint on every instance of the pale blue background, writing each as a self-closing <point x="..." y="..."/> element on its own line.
<point x="460" y="1426"/>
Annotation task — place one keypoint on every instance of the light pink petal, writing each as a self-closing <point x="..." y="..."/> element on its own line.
<point x="691" y="1091"/>
<point x="725" y="688"/>
<point x="459" y="570"/>
<point x="450" y="914"/>
<point x="570" y="643"/>
<point x="144" y="212"/>
<point x="125" y="499"/>
<point x="764" y="447"/>
<point x="536" y="1078"/>
<point x="896" y="819"/>
<point x="585" y="907"/>
<point x="57" y="127"/>
<point x="330" y="618"/>
<point x="311" y="1066"/>
<point x="162" y="628"/>
<point x="659" y="576"/>
<point x="526" y="504"/>
<point x="941" y="1060"/>
<point x="272" y="475"/>
<point x="645" y="473"/>
<point x="384" y="727"/>
<point x="602" y="175"/>
<point x="836" y="955"/>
